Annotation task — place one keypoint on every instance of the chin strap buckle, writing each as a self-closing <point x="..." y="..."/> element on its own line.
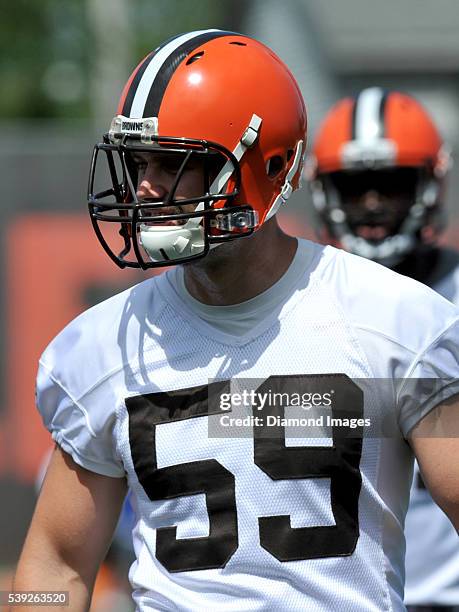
<point x="251" y="134"/>
<point x="286" y="191"/>
<point x="247" y="140"/>
<point x="287" y="188"/>
<point x="239" y="220"/>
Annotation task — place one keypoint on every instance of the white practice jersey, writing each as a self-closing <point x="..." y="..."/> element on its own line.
<point x="247" y="522"/>
<point x="432" y="545"/>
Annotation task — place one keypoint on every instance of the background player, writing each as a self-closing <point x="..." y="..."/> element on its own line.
<point x="377" y="179"/>
<point x="229" y="522"/>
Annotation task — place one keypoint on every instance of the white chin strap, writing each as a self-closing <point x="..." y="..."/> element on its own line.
<point x="170" y="242"/>
<point x="287" y="188"/>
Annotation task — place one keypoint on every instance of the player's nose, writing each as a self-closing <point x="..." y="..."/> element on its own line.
<point x="372" y="201"/>
<point x="152" y="184"/>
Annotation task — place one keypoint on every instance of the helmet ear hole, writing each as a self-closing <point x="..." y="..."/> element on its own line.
<point x="274" y="166"/>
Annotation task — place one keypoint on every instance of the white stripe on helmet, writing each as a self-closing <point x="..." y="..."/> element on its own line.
<point x="157" y="61"/>
<point x="367" y="116"/>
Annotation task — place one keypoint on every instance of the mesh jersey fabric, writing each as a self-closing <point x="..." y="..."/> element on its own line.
<point x="432" y="546"/>
<point x="146" y="341"/>
<point x="238" y="319"/>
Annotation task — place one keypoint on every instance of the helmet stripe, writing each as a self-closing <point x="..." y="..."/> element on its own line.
<point x="148" y="90"/>
<point x="131" y="86"/>
<point x="382" y="112"/>
<point x="130" y="89"/>
<point x="142" y="86"/>
<point x="136" y="78"/>
<point x="170" y="65"/>
<point x="368" y="116"/>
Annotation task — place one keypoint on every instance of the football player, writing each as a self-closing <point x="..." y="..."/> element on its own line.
<point x="140" y="391"/>
<point x="377" y="177"/>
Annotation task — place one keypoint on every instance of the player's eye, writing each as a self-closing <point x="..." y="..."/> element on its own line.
<point x="139" y="161"/>
<point x="173" y="163"/>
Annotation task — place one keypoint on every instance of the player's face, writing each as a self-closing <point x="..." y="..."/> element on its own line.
<point x="376" y="201"/>
<point x="157" y="175"/>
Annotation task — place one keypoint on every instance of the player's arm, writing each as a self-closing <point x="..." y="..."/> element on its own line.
<point x="71" y="529"/>
<point x="435" y="442"/>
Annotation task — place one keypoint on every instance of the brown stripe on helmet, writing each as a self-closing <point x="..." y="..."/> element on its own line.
<point x="170" y="65"/>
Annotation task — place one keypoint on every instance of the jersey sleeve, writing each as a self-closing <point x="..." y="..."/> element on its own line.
<point x="88" y="438"/>
<point x="408" y="335"/>
<point x="83" y="377"/>
<point x="432" y="378"/>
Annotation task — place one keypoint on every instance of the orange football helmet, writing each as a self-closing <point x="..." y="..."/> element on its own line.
<point x="216" y="96"/>
<point x="376" y="175"/>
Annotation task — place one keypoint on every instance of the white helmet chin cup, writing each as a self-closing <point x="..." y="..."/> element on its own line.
<point x="389" y="252"/>
<point x="172" y="241"/>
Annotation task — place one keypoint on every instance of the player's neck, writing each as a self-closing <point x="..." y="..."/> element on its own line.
<point x="240" y="270"/>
